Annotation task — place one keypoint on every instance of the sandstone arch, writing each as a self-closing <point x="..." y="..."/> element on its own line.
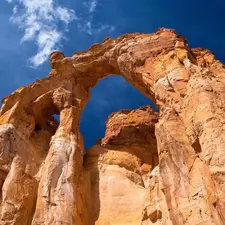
<point x="186" y="84"/>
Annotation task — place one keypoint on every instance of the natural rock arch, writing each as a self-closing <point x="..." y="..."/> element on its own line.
<point x="186" y="84"/>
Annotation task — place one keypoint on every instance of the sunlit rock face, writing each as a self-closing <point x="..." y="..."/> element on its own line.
<point x="148" y="169"/>
<point x="115" y="181"/>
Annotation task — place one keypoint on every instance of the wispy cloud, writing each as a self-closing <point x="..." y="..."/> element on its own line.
<point x="92" y="29"/>
<point x="45" y="23"/>
<point x="40" y="20"/>
<point x="92" y="5"/>
<point x="88" y="25"/>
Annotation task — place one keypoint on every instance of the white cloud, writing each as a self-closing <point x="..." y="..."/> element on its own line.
<point x="92" y="5"/>
<point x="88" y="26"/>
<point x="66" y="15"/>
<point x="46" y="42"/>
<point x="42" y="20"/>
<point x="39" y="20"/>
<point x="91" y="29"/>
<point x="106" y="27"/>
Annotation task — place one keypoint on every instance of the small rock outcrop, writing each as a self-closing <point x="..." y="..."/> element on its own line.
<point x="150" y="168"/>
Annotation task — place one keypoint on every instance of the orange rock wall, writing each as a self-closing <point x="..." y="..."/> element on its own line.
<point x="171" y="165"/>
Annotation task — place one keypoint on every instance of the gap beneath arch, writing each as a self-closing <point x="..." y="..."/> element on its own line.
<point x="111" y="94"/>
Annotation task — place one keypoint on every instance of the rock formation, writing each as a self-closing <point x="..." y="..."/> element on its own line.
<point x="114" y="183"/>
<point x="148" y="169"/>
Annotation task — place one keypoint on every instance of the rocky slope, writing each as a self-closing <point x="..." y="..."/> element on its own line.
<point x="148" y="169"/>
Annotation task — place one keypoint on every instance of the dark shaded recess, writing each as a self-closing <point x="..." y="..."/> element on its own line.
<point x="197" y="147"/>
<point x="46" y="124"/>
<point x="37" y="128"/>
<point x="47" y="119"/>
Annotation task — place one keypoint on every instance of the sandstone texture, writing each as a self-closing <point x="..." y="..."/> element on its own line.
<point x="114" y="184"/>
<point x="150" y="168"/>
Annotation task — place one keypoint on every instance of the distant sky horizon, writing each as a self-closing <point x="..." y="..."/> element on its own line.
<point x="32" y="29"/>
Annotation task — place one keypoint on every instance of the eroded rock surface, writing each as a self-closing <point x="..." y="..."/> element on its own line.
<point x="114" y="182"/>
<point x="148" y="169"/>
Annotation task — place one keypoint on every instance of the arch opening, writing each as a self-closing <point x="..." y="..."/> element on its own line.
<point x="118" y="127"/>
<point x="111" y="94"/>
<point x="46" y="116"/>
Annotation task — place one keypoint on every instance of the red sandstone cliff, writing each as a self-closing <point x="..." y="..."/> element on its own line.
<point x="148" y="169"/>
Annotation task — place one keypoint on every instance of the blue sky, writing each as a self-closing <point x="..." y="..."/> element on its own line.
<point x="30" y="29"/>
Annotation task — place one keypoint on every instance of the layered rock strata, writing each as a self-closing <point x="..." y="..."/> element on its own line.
<point x="114" y="186"/>
<point x="41" y="161"/>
